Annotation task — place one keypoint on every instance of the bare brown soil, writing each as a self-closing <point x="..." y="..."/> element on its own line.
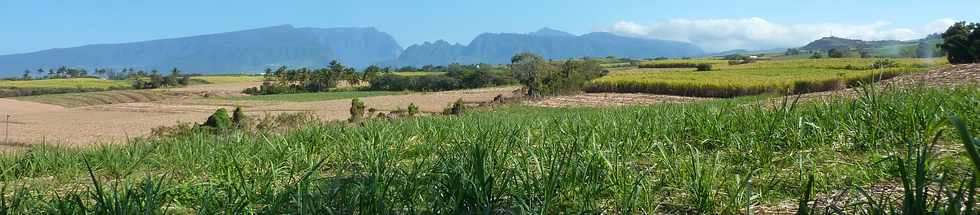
<point x="39" y="123"/>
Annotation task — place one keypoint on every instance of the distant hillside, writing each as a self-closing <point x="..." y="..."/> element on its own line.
<point x="248" y="50"/>
<point x="828" y="43"/>
<point x="498" y="48"/>
<point x="883" y="48"/>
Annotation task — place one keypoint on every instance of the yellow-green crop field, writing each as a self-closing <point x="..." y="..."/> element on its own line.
<point x="85" y="83"/>
<point x="229" y="79"/>
<point x="762" y="77"/>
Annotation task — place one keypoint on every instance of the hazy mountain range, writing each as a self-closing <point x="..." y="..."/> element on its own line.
<point x="257" y="49"/>
<point x="248" y="50"/>
<point x="552" y="44"/>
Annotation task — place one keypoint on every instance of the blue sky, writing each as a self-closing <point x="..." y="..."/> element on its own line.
<point x="32" y="25"/>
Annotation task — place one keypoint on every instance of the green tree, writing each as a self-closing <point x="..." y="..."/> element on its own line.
<point x="371" y="72"/>
<point x="27" y="75"/>
<point x="958" y="45"/>
<point x="529" y="69"/>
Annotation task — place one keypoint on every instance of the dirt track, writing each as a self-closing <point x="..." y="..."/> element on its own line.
<point x="36" y="123"/>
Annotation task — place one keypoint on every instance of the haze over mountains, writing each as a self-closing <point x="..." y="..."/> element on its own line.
<point x="257" y="49"/>
<point x="248" y="50"/>
<point x="498" y="48"/>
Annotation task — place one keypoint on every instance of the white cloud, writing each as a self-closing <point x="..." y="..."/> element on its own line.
<point x="758" y="33"/>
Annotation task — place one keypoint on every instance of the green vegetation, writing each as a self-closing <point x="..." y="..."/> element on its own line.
<point x="962" y="43"/>
<point x="305" y="80"/>
<point x="762" y="77"/>
<point x="83" y="83"/>
<point x="356" y="110"/>
<point x="9" y="88"/>
<point x="155" y="80"/>
<point x="543" y="78"/>
<point x="418" y="73"/>
<point x="219" y="120"/>
<point x="683" y="63"/>
<point x="717" y="157"/>
<point x="456" y="76"/>
<point x="413" y="109"/>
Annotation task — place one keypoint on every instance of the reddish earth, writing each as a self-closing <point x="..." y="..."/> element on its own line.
<point x="37" y="123"/>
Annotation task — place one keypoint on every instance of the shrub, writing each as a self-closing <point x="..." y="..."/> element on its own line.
<point x="884" y="64"/>
<point x="218" y="120"/>
<point x="413" y="109"/>
<point x="836" y="53"/>
<point x="238" y="117"/>
<point x="356" y="110"/>
<point x="816" y="55"/>
<point x="704" y="67"/>
<point x="456" y="108"/>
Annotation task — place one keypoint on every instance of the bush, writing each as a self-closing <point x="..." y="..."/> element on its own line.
<point x="356" y="110"/>
<point x="218" y="120"/>
<point x="836" y="53"/>
<point x="704" y="67"/>
<point x="238" y="118"/>
<point x="456" y="108"/>
<point x="816" y="55"/>
<point x="413" y="109"/>
<point x="884" y="64"/>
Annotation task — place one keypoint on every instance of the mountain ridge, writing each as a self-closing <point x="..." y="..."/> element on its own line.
<point x="498" y="48"/>
<point x="253" y="50"/>
<point x="235" y="51"/>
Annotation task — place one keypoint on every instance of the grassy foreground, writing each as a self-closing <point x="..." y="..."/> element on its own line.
<point x="718" y="157"/>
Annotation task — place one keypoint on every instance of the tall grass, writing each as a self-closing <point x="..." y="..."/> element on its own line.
<point x="719" y="157"/>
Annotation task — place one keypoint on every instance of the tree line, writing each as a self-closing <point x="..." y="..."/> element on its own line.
<point x="59" y="73"/>
<point x="456" y="76"/>
<point x="285" y="80"/>
<point x="961" y="42"/>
